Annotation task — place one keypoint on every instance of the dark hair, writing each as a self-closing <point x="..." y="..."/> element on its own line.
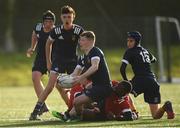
<point x="127" y="86"/>
<point x="122" y="88"/>
<point x="89" y="35"/>
<point x="67" y="9"/>
<point x="48" y="15"/>
<point x="136" y="36"/>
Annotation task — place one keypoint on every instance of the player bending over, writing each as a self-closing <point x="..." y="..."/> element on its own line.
<point x="94" y="64"/>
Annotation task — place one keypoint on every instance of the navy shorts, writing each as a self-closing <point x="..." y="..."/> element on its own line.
<point x="149" y="87"/>
<point x="98" y="92"/>
<point x="40" y="66"/>
<point x="64" y="67"/>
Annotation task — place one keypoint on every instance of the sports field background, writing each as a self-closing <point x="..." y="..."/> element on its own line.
<point x="17" y="97"/>
<point x="16" y="103"/>
<point x="110" y="20"/>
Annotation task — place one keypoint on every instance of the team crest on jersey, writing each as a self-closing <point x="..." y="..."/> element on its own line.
<point x="73" y="37"/>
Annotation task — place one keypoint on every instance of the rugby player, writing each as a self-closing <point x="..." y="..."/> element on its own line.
<point x="39" y="37"/>
<point x="64" y="59"/>
<point x="94" y="64"/>
<point x="144" y="80"/>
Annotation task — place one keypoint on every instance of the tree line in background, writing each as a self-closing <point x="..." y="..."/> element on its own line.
<point x="109" y="19"/>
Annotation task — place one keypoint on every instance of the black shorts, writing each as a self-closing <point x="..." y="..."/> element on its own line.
<point x="40" y="66"/>
<point x="64" y="67"/>
<point x="98" y="92"/>
<point x="149" y="86"/>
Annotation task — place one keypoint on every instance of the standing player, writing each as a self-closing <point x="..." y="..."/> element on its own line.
<point x="94" y="64"/>
<point x="144" y="80"/>
<point x="40" y="35"/>
<point x="64" y="39"/>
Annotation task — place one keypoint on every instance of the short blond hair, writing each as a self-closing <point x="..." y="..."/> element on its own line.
<point x="89" y="35"/>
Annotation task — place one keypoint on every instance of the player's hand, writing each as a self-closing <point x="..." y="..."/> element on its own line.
<point x="29" y="52"/>
<point x="77" y="79"/>
<point x="49" y="66"/>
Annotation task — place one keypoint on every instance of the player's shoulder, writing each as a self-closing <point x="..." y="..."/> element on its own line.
<point x="77" y="29"/>
<point x="38" y="27"/>
<point x="57" y="29"/>
<point x="96" y="50"/>
<point x="75" y="26"/>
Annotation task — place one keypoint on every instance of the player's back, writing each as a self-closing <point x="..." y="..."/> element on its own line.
<point x="140" y="60"/>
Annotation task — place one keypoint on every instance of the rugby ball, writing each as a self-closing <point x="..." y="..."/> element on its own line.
<point x="65" y="80"/>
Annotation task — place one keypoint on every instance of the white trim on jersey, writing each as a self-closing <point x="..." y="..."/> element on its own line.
<point x="95" y="57"/>
<point x="125" y="61"/>
<point x="50" y="38"/>
<point x="62" y="26"/>
<point x="79" y="66"/>
<point x="58" y="30"/>
<point x="39" y="26"/>
<point x="77" y="30"/>
<point x="126" y="110"/>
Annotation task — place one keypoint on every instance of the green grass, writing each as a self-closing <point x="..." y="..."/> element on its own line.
<point x="16" y="104"/>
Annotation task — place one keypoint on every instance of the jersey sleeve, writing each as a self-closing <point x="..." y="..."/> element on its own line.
<point x="96" y="54"/>
<point x="37" y="28"/>
<point x="127" y="57"/>
<point x="152" y="58"/>
<point x="52" y="35"/>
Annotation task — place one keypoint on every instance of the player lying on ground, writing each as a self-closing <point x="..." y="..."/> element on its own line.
<point x="39" y="36"/>
<point x="114" y="107"/>
<point x="144" y="80"/>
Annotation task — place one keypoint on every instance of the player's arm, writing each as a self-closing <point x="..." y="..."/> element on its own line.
<point x="77" y="71"/>
<point x="34" y="41"/>
<point x="125" y="61"/>
<point x="94" y="67"/>
<point x="48" y="52"/>
<point x="123" y="71"/>
<point x="152" y="58"/>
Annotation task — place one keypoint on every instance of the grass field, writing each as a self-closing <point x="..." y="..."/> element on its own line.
<point x="17" y="97"/>
<point x="16" y="103"/>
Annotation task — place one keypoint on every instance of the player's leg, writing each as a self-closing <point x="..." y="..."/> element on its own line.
<point x="39" y="87"/>
<point x="51" y="83"/>
<point x="156" y="112"/>
<point x="62" y="91"/>
<point x="44" y="95"/>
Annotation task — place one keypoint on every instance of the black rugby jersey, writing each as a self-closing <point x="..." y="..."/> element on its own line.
<point x="101" y="77"/>
<point x="65" y="43"/>
<point x="41" y="44"/>
<point x="140" y="60"/>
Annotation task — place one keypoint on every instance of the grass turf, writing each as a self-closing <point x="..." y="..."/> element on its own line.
<point x="16" y="104"/>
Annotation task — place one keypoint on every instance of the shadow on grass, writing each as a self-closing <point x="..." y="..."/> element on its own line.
<point x="53" y="123"/>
